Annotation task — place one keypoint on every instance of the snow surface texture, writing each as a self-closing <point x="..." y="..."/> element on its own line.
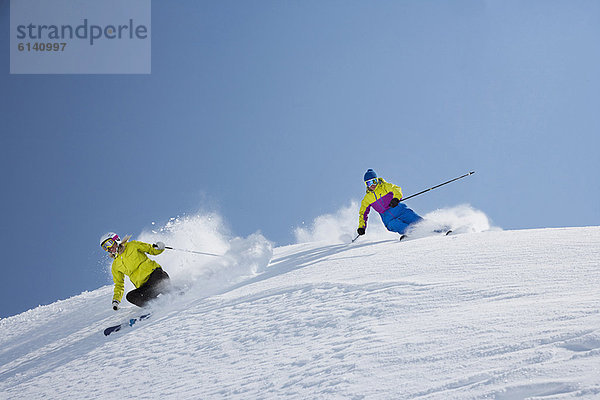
<point x="485" y="315"/>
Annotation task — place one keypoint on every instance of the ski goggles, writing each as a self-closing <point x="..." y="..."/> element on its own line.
<point x="371" y="182"/>
<point x="108" y="243"/>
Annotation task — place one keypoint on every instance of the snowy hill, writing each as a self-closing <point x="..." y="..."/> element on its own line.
<point x="496" y="314"/>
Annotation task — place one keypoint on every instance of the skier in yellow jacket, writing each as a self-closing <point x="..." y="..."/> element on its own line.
<point x="385" y="198"/>
<point x="130" y="259"/>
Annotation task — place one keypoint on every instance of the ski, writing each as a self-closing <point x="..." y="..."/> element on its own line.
<point x="444" y="232"/>
<point x="131" y="322"/>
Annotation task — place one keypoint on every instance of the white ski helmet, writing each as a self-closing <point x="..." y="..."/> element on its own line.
<point x="108" y="236"/>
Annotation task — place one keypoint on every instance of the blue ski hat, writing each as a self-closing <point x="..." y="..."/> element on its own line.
<point x="370" y="174"/>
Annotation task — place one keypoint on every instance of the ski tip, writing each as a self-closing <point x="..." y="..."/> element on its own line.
<point x="112" y="329"/>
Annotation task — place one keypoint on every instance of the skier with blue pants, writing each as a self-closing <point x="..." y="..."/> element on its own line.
<point x="384" y="197"/>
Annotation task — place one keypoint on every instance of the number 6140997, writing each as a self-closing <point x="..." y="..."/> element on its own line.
<point x="42" y="46"/>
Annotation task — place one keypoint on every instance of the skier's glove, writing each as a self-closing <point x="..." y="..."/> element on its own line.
<point x="159" y="245"/>
<point x="361" y="231"/>
<point x="394" y="202"/>
<point x="115" y="305"/>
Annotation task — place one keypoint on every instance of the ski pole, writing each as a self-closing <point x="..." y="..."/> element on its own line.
<point x="437" y="186"/>
<point x="190" y="251"/>
<point x="354" y="240"/>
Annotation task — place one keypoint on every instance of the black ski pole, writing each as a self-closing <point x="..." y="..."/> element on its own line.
<point x="437" y="186"/>
<point x="354" y="240"/>
<point x="191" y="251"/>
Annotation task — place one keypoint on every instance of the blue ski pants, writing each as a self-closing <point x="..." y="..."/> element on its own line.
<point x="399" y="218"/>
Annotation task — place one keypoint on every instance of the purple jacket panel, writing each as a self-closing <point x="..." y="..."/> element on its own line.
<point x="380" y="205"/>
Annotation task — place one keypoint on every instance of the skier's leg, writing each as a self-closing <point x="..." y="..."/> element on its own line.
<point x="409" y="217"/>
<point x="161" y="283"/>
<point x="157" y="283"/>
<point x="392" y="222"/>
<point x="396" y="225"/>
<point x="397" y="211"/>
<point x="397" y="219"/>
<point x="137" y="297"/>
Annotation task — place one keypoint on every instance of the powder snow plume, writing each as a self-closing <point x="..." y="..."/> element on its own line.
<point x="238" y="258"/>
<point x="340" y="227"/>
<point x="460" y="219"/>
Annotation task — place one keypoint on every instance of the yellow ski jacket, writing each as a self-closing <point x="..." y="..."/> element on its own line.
<point x="379" y="199"/>
<point x="134" y="263"/>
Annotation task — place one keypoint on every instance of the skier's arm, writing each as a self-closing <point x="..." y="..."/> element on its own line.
<point x="363" y="214"/>
<point x="148" y="248"/>
<point x="396" y="190"/>
<point x="119" y="280"/>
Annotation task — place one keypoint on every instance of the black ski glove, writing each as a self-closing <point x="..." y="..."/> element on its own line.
<point x="115" y="305"/>
<point x="361" y="231"/>
<point x="394" y="202"/>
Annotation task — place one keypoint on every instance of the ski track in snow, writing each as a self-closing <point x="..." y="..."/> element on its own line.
<point x="492" y="315"/>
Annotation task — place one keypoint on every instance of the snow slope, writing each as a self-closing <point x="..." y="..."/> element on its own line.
<point x="489" y="315"/>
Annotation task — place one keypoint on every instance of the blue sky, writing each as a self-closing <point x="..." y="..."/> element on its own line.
<point x="269" y="112"/>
